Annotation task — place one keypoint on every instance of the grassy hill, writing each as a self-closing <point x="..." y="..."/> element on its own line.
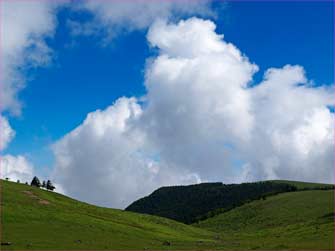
<point x="305" y="185"/>
<point x="192" y="203"/>
<point x="33" y="218"/>
<point x="296" y="220"/>
<point x="36" y="219"/>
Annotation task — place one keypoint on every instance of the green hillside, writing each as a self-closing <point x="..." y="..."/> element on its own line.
<point x="192" y="203"/>
<point x="296" y="220"/>
<point x="32" y="218"/>
<point x="305" y="185"/>
<point x="36" y="219"/>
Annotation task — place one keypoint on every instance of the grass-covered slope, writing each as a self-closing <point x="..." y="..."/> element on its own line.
<point x="300" y="185"/>
<point x="296" y="220"/>
<point x="32" y="218"/>
<point x="192" y="203"/>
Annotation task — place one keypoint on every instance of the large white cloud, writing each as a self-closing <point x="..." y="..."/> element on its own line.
<point x="294" y="133"/>
<point x="198" y="104"/>
<point x="281" y="128"/>
<point x="200" y="120"/>
<point x="105" y="160"/>
<point x="201" y="114"/>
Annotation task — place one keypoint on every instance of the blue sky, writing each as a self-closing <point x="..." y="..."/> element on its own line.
<point x="85" y="76"/>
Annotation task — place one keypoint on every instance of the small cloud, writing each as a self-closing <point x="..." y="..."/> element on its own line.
<point x="16" y="168"/>
<point x="7" y="133"/>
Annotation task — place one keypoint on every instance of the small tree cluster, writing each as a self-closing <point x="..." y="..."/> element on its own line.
<point x="48" y="185"/>
<point x="35" y="182"/>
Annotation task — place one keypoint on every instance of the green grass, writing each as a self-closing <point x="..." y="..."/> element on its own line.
<point x="296" y="220"/>
<point x="65" y="223"/>
<point x="300" y="185"/>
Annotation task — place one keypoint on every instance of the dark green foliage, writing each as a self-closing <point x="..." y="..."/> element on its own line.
<point x="44" y="184"/>
<point x="50" y="186"/>
<point x="192" y="203"/>
<point x="35" y="182"/>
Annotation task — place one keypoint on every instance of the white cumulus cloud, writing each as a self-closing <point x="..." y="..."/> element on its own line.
<point x="293" y="136"/>
<point x="104" y="160"/>
<point x="197" y="102"/>
<point x="200" y="121"/>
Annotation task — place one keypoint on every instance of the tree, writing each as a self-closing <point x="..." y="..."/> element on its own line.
<point x="44" y="185"/>
<point x="35" y="182"/>
<point x="50" y="186"/>
<point x="18" y="181"/>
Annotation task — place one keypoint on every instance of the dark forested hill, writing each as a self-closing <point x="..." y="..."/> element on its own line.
<point x="192" y="203"/>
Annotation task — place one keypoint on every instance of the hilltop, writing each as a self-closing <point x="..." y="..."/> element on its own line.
<point x="189" y="204"/>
